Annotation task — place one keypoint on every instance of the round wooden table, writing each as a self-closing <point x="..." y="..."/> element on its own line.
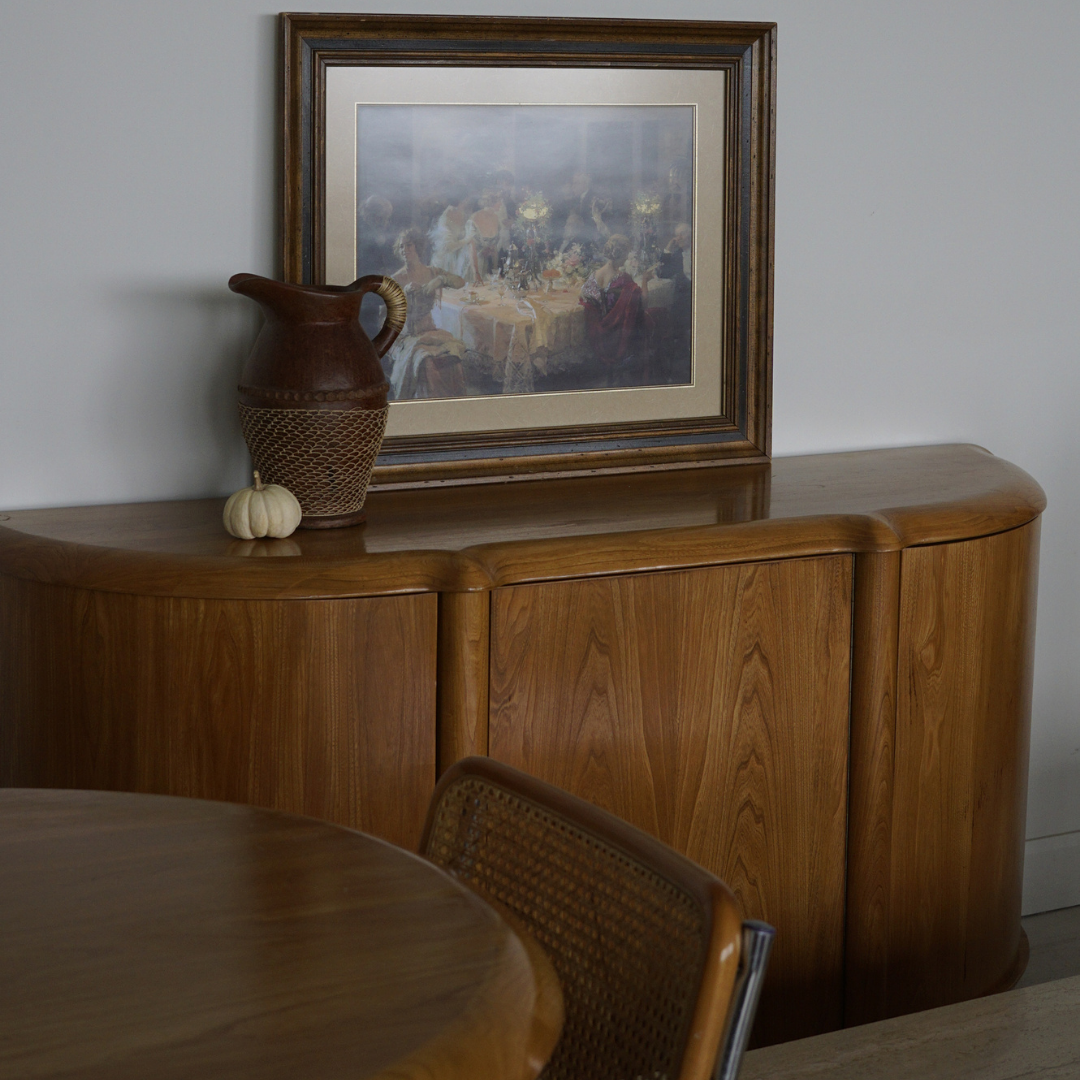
<point x="148" y="936"/>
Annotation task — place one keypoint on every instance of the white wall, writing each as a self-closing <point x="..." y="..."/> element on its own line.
<point x="927" y="260"/>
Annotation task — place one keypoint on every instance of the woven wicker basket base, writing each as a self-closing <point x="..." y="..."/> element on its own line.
<point x="323" y="456"/>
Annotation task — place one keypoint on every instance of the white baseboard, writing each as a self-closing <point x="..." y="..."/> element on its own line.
<point x="1051" y="873"/>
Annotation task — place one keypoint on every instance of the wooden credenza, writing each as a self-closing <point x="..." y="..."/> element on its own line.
<point x="812" y="677"/>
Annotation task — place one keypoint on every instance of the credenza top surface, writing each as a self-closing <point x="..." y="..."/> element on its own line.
<point x="480" y="536"/>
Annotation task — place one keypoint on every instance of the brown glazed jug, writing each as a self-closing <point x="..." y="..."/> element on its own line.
<point x="313" y="394"/>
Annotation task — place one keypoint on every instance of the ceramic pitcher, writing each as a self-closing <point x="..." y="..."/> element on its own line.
<point x="312" y="394"/>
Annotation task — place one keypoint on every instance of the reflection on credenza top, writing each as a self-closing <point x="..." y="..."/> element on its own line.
<point x="465" y="538"/>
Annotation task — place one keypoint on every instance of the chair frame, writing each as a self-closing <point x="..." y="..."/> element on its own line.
<point x="757" y="943"/>
<point x="714" y="1016"/>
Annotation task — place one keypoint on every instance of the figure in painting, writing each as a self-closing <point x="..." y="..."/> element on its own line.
<point x="506" y="189"/>
<point x="486" y="233"/>
<point x="467" y="244"/>
<point x="374" y="254"/>
<point x="582" y="214"/>
<point x="615" y="316"/>
<point x="450" y="248"/>
<point x="577" y="197"/>
<point x="375" y="243"/>
<point x="675" y="260"/>
<point x="675" y="263"/>
<point x="424" y="361"/>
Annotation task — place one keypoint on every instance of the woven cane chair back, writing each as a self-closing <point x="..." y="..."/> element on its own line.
<point x="644" y="942"/>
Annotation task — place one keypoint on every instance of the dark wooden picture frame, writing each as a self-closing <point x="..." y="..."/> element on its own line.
<point x="746" y="54"/>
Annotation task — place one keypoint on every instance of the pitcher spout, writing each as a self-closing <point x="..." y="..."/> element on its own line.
<point x="253" y="285"/>
<point x="300" y="303"/>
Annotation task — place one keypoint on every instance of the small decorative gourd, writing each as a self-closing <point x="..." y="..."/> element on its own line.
<point x="262" y="510"/>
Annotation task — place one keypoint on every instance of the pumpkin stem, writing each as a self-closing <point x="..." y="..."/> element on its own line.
<point x="258" y="481"/>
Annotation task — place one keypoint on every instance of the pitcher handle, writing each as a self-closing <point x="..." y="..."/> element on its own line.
<point x="393" y="296"/>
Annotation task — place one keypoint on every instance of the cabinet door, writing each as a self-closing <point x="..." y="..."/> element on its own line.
<point x="320" y="707"/>
<point x="963" y="713"/>
<point x="710" y="708"/>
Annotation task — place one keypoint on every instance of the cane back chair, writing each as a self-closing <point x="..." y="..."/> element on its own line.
<point x="659" y="975"/>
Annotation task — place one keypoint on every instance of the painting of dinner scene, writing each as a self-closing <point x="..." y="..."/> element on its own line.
<point x="541" y="248"/>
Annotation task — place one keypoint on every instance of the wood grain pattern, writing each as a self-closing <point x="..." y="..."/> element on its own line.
<point x="464" y="539"/>
<point x="873" y="740"/>
<point x="173" y="938"/>
<point x="140" y="649"/>
<point x="317" y="707"/>
<point x="966" y="642"/>
<point x="464" y="630"/>
<point x="708" y="708"/>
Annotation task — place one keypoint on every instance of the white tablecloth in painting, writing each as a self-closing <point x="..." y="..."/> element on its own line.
<point x="538" y="334"/>
<point x="520" y="338"/>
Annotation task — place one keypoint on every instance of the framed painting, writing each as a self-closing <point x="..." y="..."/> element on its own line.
<point x="580" y="212"/>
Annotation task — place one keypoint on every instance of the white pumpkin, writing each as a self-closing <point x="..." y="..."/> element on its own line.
<point x="262" y="510"/>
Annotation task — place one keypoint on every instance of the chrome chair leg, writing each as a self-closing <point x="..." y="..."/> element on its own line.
<point x="757" y="943"/>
